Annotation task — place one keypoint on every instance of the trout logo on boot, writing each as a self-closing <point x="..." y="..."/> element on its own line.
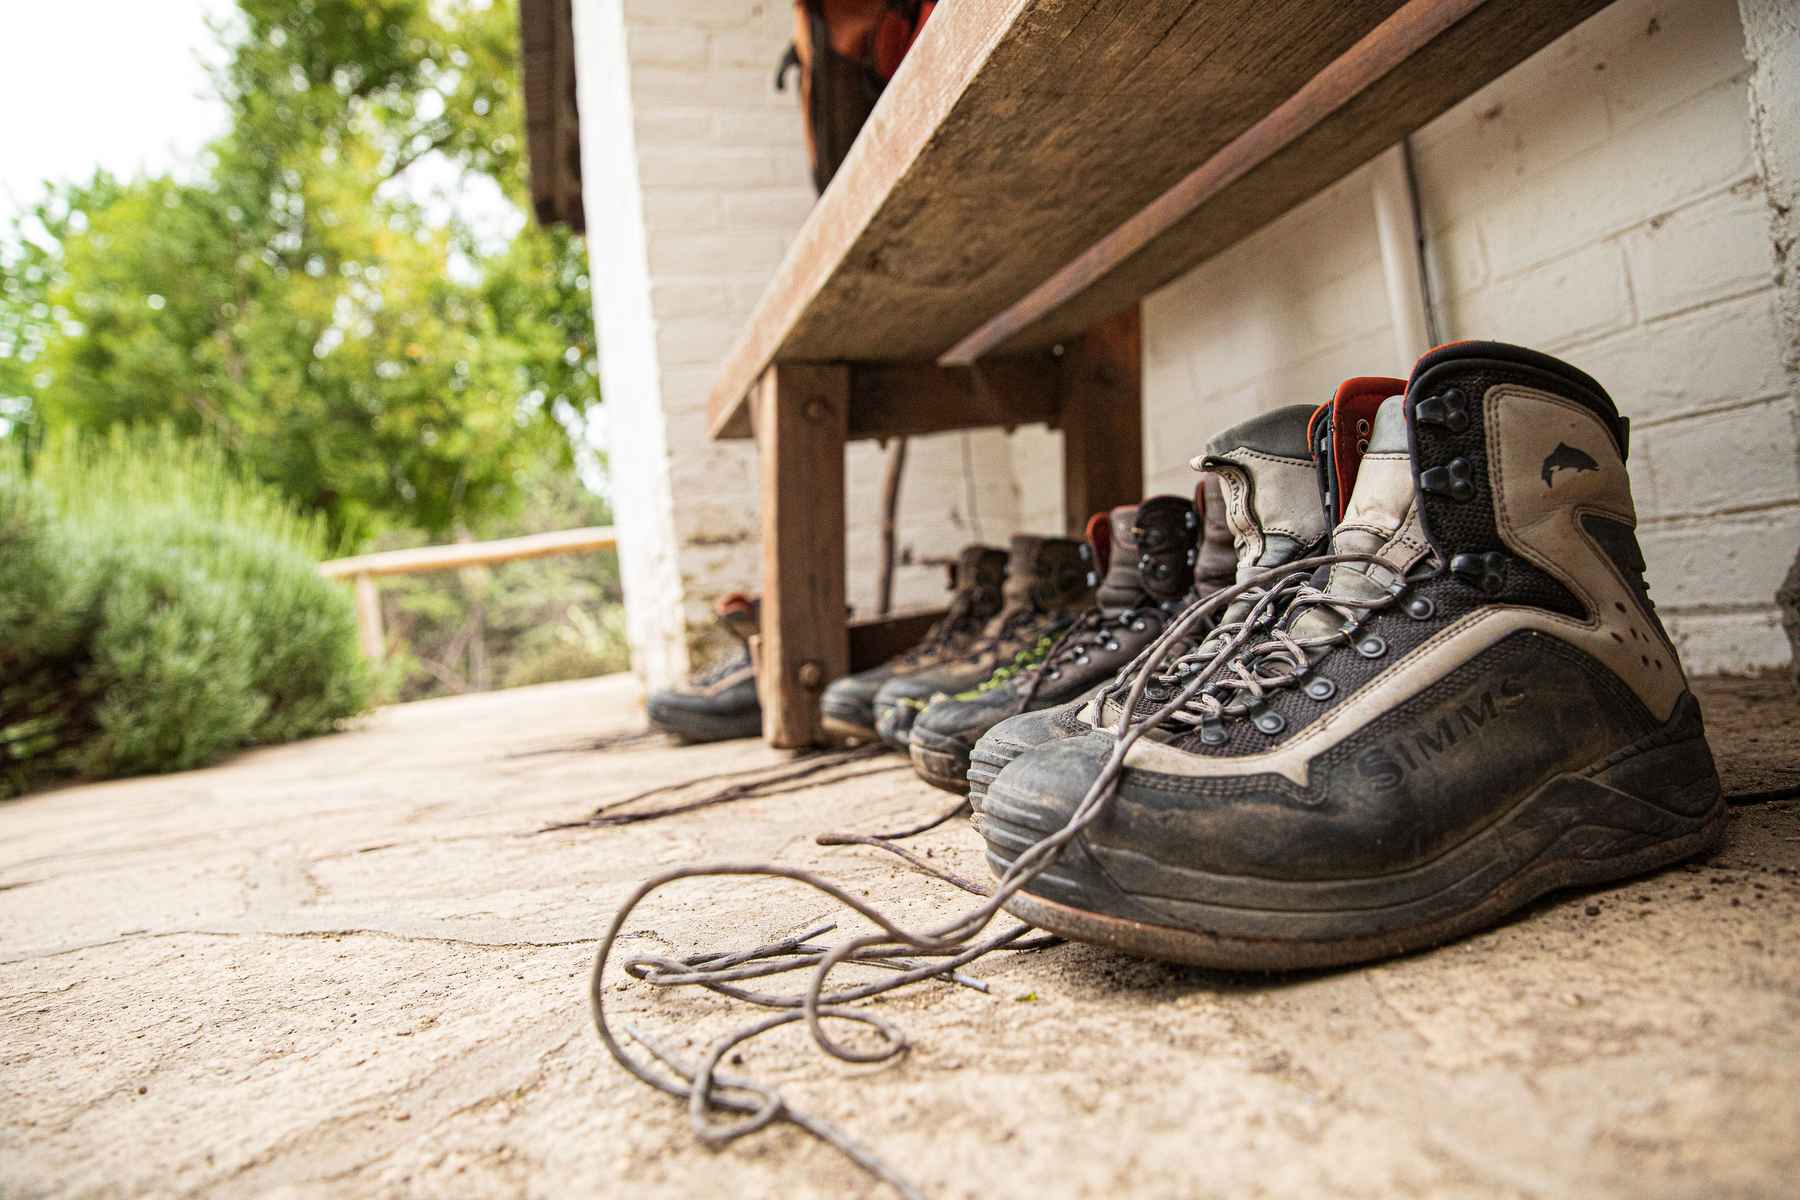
<point x="1567" y="457"/>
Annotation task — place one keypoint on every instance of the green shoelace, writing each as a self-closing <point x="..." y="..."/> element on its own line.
<point x="1023" y="661"/>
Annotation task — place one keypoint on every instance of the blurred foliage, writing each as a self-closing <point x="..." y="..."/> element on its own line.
<point x="535" y="621"/>
<point x="160" y="608"/>
<point x="380" y="356"/>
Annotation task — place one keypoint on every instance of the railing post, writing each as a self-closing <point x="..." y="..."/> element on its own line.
<point x="368" y="617"/>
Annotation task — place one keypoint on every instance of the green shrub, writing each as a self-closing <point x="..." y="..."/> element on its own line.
<point x="159" y="610"/>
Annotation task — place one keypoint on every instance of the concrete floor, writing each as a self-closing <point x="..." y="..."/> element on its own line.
<point x="351" y="967"/>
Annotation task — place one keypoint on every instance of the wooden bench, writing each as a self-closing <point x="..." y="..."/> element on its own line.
<point x="1034" y="170"/>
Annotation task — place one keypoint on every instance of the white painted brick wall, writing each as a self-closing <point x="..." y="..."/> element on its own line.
<point x="1600" y="202"/>
<point x="696" y="184"/>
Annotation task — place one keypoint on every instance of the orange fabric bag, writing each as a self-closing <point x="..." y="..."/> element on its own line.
<point x="846" y="51"/>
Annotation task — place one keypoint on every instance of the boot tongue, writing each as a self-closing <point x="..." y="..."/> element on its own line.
<point x="1379" y="507"/>
<point x="1152" y="554"/>
<point x="1269" y="491"/>
<point x="1120" y="588"/>
<point x="978" y="566"/>
<point x="1216" y="563"/>
<point x="739" y="615"/>
<point x="1044" y="573"/>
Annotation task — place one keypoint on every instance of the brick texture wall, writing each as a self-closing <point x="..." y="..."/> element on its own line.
<point x="1603" y="202"/>
<point x="696" y="184"/>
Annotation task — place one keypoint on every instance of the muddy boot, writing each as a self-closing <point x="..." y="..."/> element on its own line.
<point x="1476" y="706"/>
<point x="1049" y="582"/>
<point x="847" y="707"/>
<point x="719" y="703"/>
<point x="1259" y="505"/>
<point x="1151" y="548"/>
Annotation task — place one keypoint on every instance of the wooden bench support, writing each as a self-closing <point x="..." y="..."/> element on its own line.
<point x="801" y="418"/>
<point x="1103" y="419"/>
<point x="878" y="639"/>
<point x="804" y="414"/>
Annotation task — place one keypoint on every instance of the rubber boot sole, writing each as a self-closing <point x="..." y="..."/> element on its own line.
<point x="704" y="727"/>
<point x="893" y="725"/>
<point x="986" y="762"/>
<point x="1574" y="831"/>
<point x="941" y="761"/>
<point x="849" y="732"/>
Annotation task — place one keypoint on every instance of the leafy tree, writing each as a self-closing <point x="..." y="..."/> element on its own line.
<point x="376" y="358"/>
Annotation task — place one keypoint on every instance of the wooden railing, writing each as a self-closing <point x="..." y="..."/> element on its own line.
<point x="363" y="569"/>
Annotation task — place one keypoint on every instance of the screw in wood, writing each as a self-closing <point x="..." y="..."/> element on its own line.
<point x="812" y="675"/>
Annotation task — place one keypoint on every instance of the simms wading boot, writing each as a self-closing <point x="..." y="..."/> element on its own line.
<point x="1048" y="583"/>
<point x="847" y="707"/>
<point x="1259" y="507"/>
<point x="1482" y="709"/>
<point x="1148" y="552"/>
<point x="720" y="703"/>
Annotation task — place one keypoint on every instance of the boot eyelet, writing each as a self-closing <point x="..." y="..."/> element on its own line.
<point x="1371" y="647"/>
<point x="1212" y="734"/>
<point x="1157" y="694"/>
<point x="1139" y="626"/>
<point x="1269" y="721"/>
<point x="1112" y="647"/>
<point x="1421" y="608"/>
<point x="1449" y="408"/>
<point x="1081" y="660"/>
<point x="1485" y="571"/>
<point x="1320" y="688"/>
<point x="1054" y="673"/>
<point x="1455" y="479"/>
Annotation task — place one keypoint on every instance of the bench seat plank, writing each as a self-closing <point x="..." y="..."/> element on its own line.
<point x="1020" y="134"/>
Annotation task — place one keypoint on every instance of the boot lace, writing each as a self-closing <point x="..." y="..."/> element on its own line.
<point x="722" y="668"/>
<point x="1239" y="684"/>
<point x="959" y="620"/>
<point x="909" y="953"/>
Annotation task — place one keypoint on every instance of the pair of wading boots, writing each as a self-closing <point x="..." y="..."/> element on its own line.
<point x="1467" y="702"/>
<point x="719" y="703"/>
<point x="1046" y="583"/>
<point x="1155" y="562"/>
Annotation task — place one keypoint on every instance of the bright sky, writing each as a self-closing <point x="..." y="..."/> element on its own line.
<point x="115" y="83"/>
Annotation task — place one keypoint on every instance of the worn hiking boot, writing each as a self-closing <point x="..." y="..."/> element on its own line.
<point x="719" y="703"/>
<point x="1476" y="706"/>
<point x="1148" y="552"/>
<point x="1259" y="505"/>
<point x="847" y="707"/>
<point x="1049" y="582"/>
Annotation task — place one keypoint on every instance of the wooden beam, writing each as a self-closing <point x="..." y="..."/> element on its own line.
<point x="904" y="399"/>
<point x="1421" y="60"/>
<point x="471" y="554"/>
<point x="875" y="641"/>
<point x="889" y="399"/>
<point x="1103" y="419"/>
<point x="801" y="415"/>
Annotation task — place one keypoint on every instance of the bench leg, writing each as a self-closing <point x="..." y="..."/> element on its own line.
<point x="801" y="419"/>
<point x="1103" y="419"/>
